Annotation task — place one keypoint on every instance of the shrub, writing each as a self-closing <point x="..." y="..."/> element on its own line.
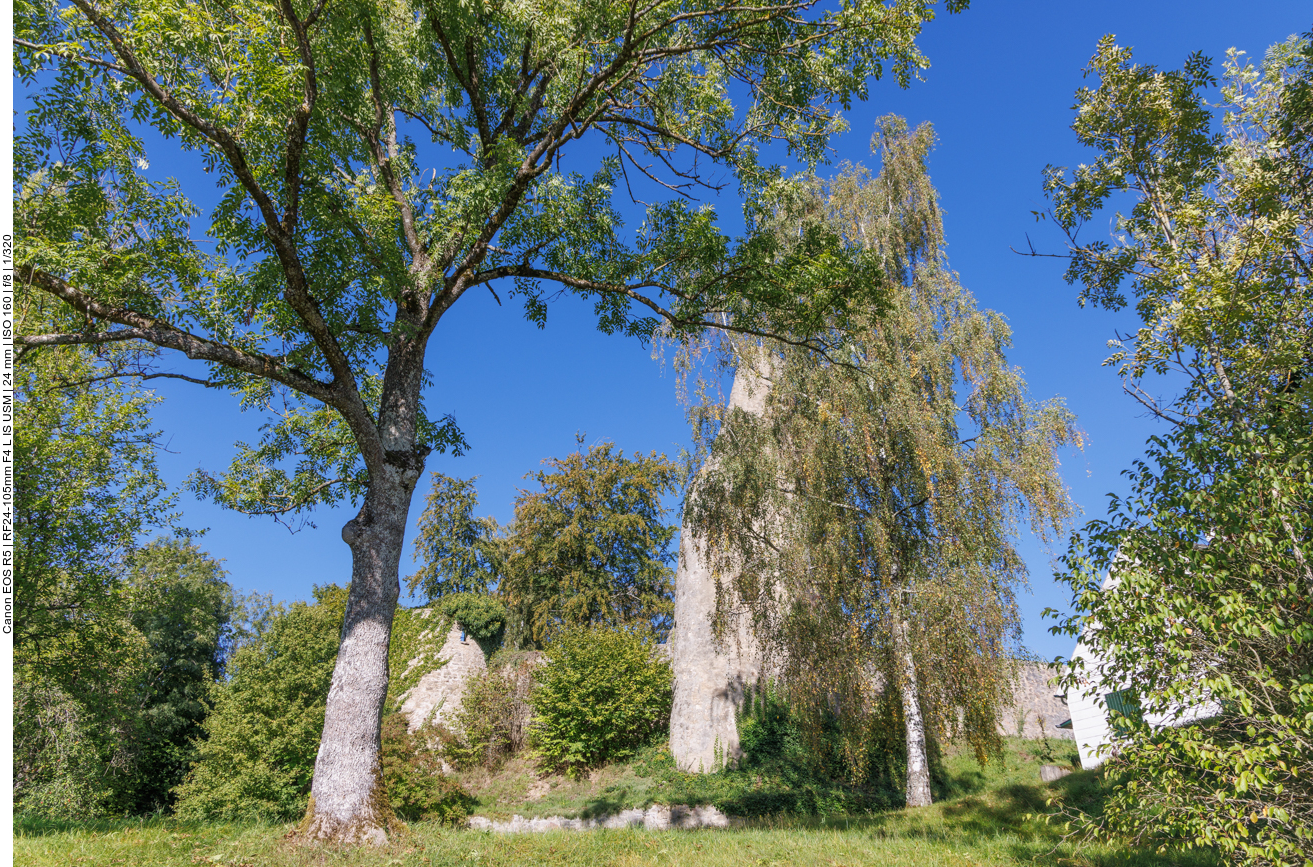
<point x="479" y="614"/>
<point x="493" y="719"/>
<point x="67" y="761"/>
<point x="602" y="693"/>
<point x="767" y="732"/>
<point x="412" y="774"/>
<point x="263" y="734"/>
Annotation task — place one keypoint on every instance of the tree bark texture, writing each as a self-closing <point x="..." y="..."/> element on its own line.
<point x="348" y="803"/>
<point x="712" y="679"/>
<point x="918" y="766"/>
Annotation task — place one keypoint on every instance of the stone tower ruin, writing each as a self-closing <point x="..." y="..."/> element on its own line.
<point x="712" y="679"/>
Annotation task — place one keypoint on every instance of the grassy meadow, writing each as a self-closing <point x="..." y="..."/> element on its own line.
<point x="985" y="817"/>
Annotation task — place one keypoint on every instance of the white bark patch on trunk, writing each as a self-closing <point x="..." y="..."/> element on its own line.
<point x="918" y="766"/>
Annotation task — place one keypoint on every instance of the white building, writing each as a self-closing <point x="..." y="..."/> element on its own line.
<point x="1097" y="694"/>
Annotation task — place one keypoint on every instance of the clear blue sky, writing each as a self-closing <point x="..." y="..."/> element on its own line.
<point x="999" y="93"/>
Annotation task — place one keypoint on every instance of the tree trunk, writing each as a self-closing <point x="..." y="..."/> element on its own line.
<point x="348" y="803"/>
<point x="918" y="766"/>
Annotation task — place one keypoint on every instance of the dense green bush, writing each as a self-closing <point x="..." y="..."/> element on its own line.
<point x="818" y="760"/>
<point x="68" y="758"/>
<point x="767" y="732"/>
<point x="412" y="774"/>
<point x="263" y="734"/>
<point x="601" y="694"/>
<point x="492" y="722"/>
<point x="116" y="741"/>
<point x="479" y="614"/>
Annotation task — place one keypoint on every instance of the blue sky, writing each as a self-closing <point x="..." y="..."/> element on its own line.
<point x="999" y="93"/>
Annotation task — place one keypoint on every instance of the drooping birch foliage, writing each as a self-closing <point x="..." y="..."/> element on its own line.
<point x="879" y="498"/>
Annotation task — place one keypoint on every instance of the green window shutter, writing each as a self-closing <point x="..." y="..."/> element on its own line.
<point x="1125" y="702"/>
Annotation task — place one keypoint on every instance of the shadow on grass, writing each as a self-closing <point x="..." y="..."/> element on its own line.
<point x="609" y="801"/>
<point x="26" y="825"/>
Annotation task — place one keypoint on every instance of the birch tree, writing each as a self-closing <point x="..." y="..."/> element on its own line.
<point x="375" y="163"/>
<point x="868" y="517"/>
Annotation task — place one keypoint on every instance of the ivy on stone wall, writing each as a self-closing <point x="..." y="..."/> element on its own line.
<point x="418" y="635"/>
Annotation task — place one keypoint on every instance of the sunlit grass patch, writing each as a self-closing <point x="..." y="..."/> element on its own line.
<point x="986" y="818"/>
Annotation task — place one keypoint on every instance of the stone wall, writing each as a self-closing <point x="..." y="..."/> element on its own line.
<point x="438" y="694"/>
<point x="1036" y="705"/>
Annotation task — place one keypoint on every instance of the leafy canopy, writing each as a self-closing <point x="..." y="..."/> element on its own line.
<point x="1207" y="613"/>
<point x="376" y="161"/>
<point x="183" y="606"/>
<point x="458" y="552"/>
<point x="592" y="546"/>
<point x="87" y="487"/>
<point x="1215" y="249"/>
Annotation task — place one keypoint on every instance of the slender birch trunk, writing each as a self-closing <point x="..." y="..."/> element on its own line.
<point x="918" y="766"/>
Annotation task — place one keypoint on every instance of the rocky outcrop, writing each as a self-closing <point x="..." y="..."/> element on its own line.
<point x="658" y="817"/>
<point x="438" y="694"/>
<point x="712" y="679"/>
<point x="1052" y="773"/>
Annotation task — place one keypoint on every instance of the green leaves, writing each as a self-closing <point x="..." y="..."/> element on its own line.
<point x="412" y="773"/>
<point x="592" y="547"/>
<point x="87" y="488"/>
<point x="1209" y="609"/>
<point x="479" y="614"/>
<point x="258" y="754"/>
<point x="1206" y="613"/>
<point x="602" y="692"/>
<point x="375" y="162"/>
<point x="459" y="553"/>
<point x="1216" y="243"/>
<point x="183" y="606"/>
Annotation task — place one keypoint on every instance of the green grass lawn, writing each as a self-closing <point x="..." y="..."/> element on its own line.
<point x="982" y="819"/>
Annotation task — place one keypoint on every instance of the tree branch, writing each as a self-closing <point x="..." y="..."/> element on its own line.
<point x="64" y="55"/>
<point x="162" y="334"/>
<point x="297" y="295"/>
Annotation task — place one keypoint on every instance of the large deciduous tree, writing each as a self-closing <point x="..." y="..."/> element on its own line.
<point x="376" y="162"/>
<point x="591" y="547"/>
<point x="183" y="607"/>
<point x="867" y="518"/>
<point x="1212" y="551"/>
